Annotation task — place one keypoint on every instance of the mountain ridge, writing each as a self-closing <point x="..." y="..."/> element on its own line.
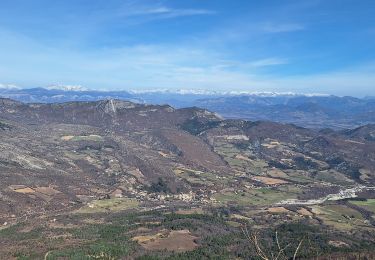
<point x="314" y="111"/>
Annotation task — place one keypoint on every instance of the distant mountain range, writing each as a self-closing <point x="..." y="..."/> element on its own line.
<point x="307" y="110"/>
<point x="54" y="95"/>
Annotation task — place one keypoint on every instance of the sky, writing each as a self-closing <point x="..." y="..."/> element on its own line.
<point x="310" y="46"/>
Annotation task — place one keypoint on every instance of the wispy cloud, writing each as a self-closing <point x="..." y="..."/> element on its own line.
<point x="170" y="12"/>
<point x="160" y="11"/>
<point x="252" y="64"/>
<point x="282" y="28"/>
<point x="268" y="62"/>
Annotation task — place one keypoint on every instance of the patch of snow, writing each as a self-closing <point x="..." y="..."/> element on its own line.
<point x="8" y="86"/>
<point x="67" y="87"/>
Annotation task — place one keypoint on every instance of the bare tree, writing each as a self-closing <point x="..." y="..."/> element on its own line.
<point x="269" y="253"/>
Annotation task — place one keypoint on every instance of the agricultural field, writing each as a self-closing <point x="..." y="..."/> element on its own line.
<point x="256" y="197"/>
<point x="368" y="204"/>
<point x="341" y="217"/>
<point x="73" y="138"/>
<point x="109" y="205"/>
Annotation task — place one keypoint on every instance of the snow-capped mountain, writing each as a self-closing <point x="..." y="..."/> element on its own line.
<point x="223" y="93"/>
<point x="8" y="86"/>
<point x="67" y="87"/>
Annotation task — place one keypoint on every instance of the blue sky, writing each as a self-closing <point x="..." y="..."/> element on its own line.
<point x="310" y="46"/>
